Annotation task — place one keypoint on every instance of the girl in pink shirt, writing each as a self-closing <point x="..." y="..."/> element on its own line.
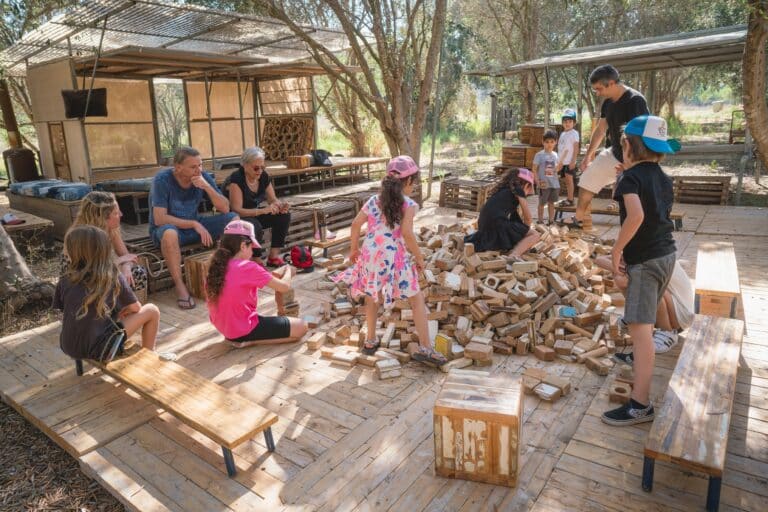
<point x="232" y="288"/>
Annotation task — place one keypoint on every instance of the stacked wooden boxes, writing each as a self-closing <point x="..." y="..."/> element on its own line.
<point x="466" y="194"/>
<point x="299" y="161"/>
<point x="302" y="226"/>
<point x="702" y="189"/>
<point x="478" y="428"/>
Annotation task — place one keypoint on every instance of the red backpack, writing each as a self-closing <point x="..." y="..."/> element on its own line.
<point x="301" y="258"/>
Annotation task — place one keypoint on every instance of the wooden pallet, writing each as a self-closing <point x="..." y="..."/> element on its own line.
<point x="150" y="257"/>
<point x="302" y="226"/>
<point x="702" y="189"/>
<point x="466" y="194"/>
<point x="332" y="214"/>
<point x="361" y="197"/>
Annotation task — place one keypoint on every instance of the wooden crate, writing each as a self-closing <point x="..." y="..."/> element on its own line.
<point x="299" y="161"/>
<point x="530" y="152"/>
<point x="361" y="197"/>
<point x="532" y="134"/>
<point x="478" y="428"/>
<point x="514" y="154"/>
<point x="702" y="189"/>
<point x="302" y="226"/>
<point x="465" y="194"/>
<point x="195" y="273"/>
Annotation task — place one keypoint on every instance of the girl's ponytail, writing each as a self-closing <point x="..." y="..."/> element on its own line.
<point x="392" y="201"/>
<point x="229" y="245"/>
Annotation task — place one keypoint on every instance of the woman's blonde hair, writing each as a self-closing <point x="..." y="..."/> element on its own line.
<point x="92" y="265"/>
<point x="95" y="209"/>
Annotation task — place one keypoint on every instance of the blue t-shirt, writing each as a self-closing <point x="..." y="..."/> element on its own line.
<point x="179" y="202"/>
<point x="546" y="163"/>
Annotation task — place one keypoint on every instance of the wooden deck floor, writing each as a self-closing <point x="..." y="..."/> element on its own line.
<point x="347" y="441"/>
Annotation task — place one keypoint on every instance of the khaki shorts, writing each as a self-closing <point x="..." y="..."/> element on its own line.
<point x="600" y="173"/>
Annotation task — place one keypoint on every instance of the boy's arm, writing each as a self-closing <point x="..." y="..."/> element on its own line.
<point x="630" y="226"/>
<point x="535" y="171"/>
<point x="574" y="155"/>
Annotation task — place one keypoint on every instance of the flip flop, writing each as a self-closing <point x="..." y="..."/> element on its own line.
<point x="572" y="222"/>
<point x="374" y="346"/>
<point x="188" y="303"/>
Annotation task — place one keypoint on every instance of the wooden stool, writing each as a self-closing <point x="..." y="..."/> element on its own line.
<point x="478" y="427"/>
<point x="195" y="272"/>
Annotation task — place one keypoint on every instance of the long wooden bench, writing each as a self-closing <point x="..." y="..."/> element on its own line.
<point x="691" y="426"/>
<point x="677" y="217"/>
<point x="213" y="410"/>
<point x="717" y="280"/>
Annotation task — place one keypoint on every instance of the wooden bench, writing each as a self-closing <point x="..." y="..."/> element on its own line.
<point x="213" y="410"/>
<point x="677" y="217"/>
<point x="691" y="426"/>
<point x="717" y="280"/>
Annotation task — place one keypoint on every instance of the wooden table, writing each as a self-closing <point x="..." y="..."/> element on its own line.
<point x="32" y="231"/>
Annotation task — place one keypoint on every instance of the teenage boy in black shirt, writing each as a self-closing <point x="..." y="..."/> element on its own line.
<point x="622" y="103"/>
<point x="644" y="251"/>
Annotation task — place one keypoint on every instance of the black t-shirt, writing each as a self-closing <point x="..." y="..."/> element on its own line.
<point x="251" y="199"/>
<point x="80" y="338"/>
<point x="500" y="206"/>
<point x="654" y="237"/>
<point x="620" y="112"/>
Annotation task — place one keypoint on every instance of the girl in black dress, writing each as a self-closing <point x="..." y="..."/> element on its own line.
<point x="500" y="226"/>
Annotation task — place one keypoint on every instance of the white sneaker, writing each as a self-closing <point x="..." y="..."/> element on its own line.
<point x="663" y="341"/>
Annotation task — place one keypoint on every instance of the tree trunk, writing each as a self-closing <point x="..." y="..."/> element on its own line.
<point x="18" y="286"/>
<point x="753" y="69"/>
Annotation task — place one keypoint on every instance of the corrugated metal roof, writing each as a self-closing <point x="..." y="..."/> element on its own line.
<point x="157" y="24"/>
<point x="725" y="44"/>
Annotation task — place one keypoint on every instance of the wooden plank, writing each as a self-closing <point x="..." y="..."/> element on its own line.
<point x="221" y="414"/>
<point x="691" y="427"/>
<point x="716" y="270"/>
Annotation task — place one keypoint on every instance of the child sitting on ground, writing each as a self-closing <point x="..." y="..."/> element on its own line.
<point x="545" y="174"/>
<point x="232" y="287"/>
<point x="499" y="226"/>
<point x="100" y="309"/>
<point x="644" y="251"/>
<point x="382" y="270"/>
<point x="567" y="151"/>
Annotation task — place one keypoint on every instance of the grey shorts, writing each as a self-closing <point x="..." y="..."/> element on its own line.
<point x="647" y="283"/>
<point x="548" y="195"/>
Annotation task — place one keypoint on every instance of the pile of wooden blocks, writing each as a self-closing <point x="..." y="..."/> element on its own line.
<point x="555" y="304"/>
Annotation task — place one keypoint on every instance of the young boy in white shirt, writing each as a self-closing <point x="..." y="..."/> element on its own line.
<point x="568" y="150"/>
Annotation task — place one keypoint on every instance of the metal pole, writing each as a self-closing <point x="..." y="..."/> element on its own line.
<point x="435" y="116"/>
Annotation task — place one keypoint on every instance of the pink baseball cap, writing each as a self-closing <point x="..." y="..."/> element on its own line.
<point x="243" y="228"/>
<point x="402" y="166"/>
<point x="525" y="174"/>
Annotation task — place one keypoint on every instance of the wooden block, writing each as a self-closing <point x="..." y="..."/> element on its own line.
<point x="452" y="281"/>
<point x="478" y="351"/>
<point x="316" y="340"/>
<point x="496" y="264"/>
<point x="483" y="340"/>
<point x="564" y="385"/>
<point x="480" y="310"/>
<point x="596" y="353"/>
<point x="406" y="315"/>
<point x="525" y="266"/>
<point x="563" y="347"/>
<point x="386" y="365"/>
<point x="600" y="366"/>
<point x="327" y="352"/>
<point x="547" y="302"/>
<point x="438" y="315"/>
<point x="548" y="325"/>
<point x="443" y="344"/>
<point x="618" y="299"/>
<point x="469" y="249"/>
<point x="389" y="375"/>
<point x="522" y="346"/>
<point x="457" y="350"/>
<point x="544" y="353"/>
<point x="590" y="318"/>
<point x="367" y="360"/>
<point x="547" y="392"/>
<point x="558" y="284"/>
<point x="477" y="432"/>
<point x="345" y="358"/>
<point x="619" y="392"/>
<point x="455" y="364"/>
<point x="501" y="348"/>
<point x="402" y="357"/>
<point x="577" y="330"/>
<point x="532" y="377"/>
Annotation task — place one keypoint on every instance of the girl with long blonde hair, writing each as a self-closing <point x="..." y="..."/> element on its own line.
<point x="96" y="299"/>
<point x="100" y="209"/>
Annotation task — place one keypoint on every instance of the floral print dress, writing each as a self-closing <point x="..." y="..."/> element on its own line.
<point x="383" y="264"/>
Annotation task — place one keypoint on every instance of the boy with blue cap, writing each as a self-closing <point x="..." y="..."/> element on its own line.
<point x="644" y="251"/>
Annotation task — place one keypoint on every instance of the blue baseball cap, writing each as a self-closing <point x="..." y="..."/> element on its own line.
<point x="653" y="131"/>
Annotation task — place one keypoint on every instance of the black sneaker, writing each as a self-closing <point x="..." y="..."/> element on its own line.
<point x="626" y="358"/>
<point x="628" y="414"/>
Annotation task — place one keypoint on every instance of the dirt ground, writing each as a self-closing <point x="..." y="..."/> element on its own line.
<point x="36" y="475"/>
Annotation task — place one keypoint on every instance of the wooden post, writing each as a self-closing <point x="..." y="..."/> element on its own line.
<point x="579" y="97"/>
<point x="547" y="106"/>
<point x="208" y="88"/>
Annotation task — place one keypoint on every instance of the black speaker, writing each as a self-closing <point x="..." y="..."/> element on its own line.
<point x="74" y="103"/>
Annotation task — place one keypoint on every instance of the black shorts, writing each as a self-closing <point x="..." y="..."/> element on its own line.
<point x="565" y="170"/>
<point x="268" y="328"/>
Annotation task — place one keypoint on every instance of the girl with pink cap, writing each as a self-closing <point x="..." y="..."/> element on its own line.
<point x="387" y="265"/>
<point x="500" y="226"/>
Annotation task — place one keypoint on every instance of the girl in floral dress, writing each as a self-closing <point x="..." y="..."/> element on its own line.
<point x="386" y="267"/>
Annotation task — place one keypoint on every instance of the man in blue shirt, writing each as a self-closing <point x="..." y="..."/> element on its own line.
<point x="174" y="220"/>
